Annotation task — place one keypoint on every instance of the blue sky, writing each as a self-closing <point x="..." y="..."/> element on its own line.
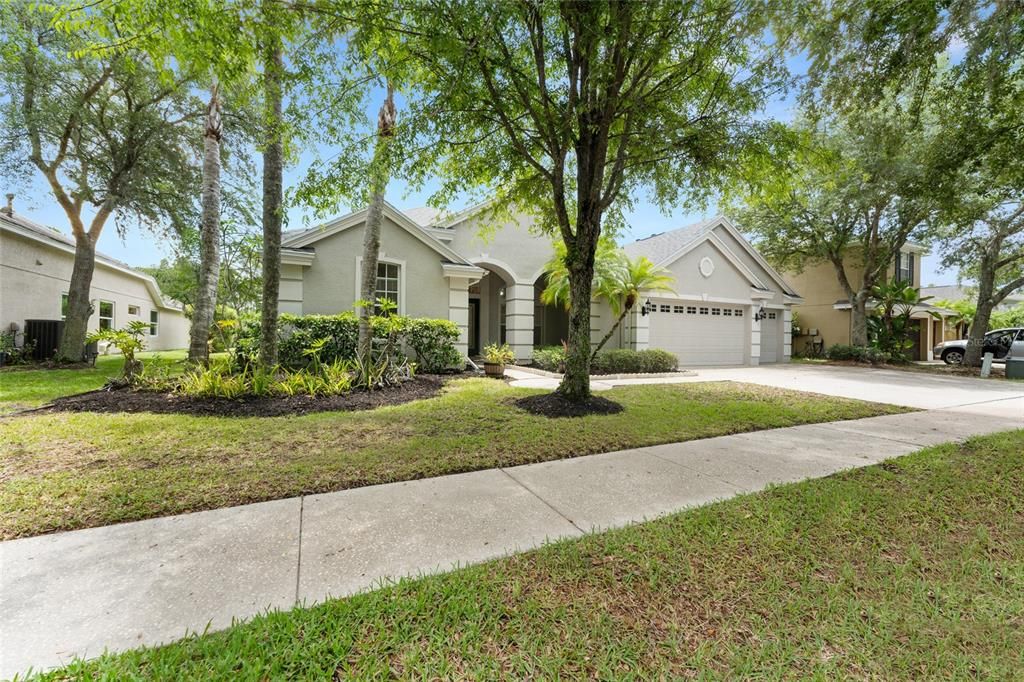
<point x="140" y="247"/>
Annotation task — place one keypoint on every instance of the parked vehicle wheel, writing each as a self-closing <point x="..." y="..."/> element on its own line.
<point x="953" y="357"/>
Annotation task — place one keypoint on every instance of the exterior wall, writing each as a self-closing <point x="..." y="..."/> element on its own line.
<point x="725" y="283"/>
<point x="329" y="286"/>
<point x="740" y="252"/>
<point x="33" y="277"/>
<point x="290" y="295"/>
<point x="510" y="243"/>
<point x="820" y="288"/>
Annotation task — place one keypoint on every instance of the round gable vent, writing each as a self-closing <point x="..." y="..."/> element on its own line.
<point x="707" y="266"/>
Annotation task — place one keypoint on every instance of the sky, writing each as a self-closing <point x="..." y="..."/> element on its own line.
<point x="140" y="247"/>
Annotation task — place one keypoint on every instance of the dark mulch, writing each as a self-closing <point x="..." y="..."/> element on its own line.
<point x="554" y="405"/>
<point x="423" y="386"/>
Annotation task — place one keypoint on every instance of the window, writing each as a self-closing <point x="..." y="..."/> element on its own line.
<point x="691" y="310"/>
<point x="905" y="268"/>
<point x="154" y="322"/>
<point x="387" y="282"/>
<point x="739" y="312"/>
<point x="106" y="314"/>
<point x="703" y="311"/>
<point x="716" y="311"/>
<point x="727" y="312"/>
<point x="63" y="306"/>
<point x="133" y="310"/>
<point x="771" y="316"/>
<point x="678" y="308"/>
<point x="666" y="308"/>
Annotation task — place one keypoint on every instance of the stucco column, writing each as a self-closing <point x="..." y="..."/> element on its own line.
<point x="458" y="310"/>
<point x="787" y="334"/>
<point x="755" y="335"/>
<point x="519" y="319"/>
<point x="640" y="339"/>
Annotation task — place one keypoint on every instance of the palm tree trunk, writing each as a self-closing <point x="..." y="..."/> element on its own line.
<point x="604" y="340"/>
<point x="273" y="193"/>
<point x="379" y="175"/>
<point x="209" y="247"/>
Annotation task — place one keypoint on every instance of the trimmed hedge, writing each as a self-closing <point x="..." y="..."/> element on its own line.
<point x="618" y="361"/>
<point x="865" y="354"/>
<point x="429" y="342"/>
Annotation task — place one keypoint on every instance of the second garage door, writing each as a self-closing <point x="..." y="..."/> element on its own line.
<point x="700" y="333"/>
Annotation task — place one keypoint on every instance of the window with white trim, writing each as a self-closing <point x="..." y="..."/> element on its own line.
<point x="387" y="283"/>
<point x="154" y="322"/>
<point x="106" y="314"/>
<point x="133" y="310"/>
<point x="905" y="268"/>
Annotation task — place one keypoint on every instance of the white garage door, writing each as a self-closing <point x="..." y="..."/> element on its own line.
<point x="771" y="337"/>
<point x="700" y="333"/>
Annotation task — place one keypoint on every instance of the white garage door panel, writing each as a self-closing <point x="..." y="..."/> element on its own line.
<point x="771" y="341"/>
<point x="700" y="333"/>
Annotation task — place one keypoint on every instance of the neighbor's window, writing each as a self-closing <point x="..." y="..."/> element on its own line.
<point x="63" y="306"/>
<point x="106" y="314"/>
<point x="905" y="268"/>
<point x="133" y="310"/>
<point x="154" y="322"/>
<point x="387" y="282"/>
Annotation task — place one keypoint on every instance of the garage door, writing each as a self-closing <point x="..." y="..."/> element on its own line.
<point x="771" y="337"/>
<point x="700" y="333"/>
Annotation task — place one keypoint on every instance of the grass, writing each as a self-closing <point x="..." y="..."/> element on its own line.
<point x="913" y="569"/>
<point x="65" y="471"/>
<point x="22" y="388"/>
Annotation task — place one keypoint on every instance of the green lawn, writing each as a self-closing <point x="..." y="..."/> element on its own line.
<point x="910" y="570"/>
<point x="64" y="471"/>
<point x="25" y="388"/>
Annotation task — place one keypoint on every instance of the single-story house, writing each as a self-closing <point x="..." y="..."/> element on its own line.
<point x="486" y="275"/>
<point x="824" y="315"/>
<point x="35" y="271"/>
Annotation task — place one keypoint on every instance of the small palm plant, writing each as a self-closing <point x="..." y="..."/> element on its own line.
<point x="129" y="340"/>
<point x="890" y="320"/>
<point x="618" y="279"/>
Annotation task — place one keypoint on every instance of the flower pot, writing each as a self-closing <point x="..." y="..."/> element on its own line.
<point x="494" y="369"/>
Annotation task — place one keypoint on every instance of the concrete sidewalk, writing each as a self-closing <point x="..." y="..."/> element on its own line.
<point x="118" y="587"/>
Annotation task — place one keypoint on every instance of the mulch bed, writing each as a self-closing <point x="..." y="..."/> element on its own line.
<point x="554" y="405"/>
<point x="125" y="400"/>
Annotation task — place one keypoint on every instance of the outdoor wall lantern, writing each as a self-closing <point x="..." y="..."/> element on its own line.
<point x="647" y="308"/>
<point x="760" y="315"/>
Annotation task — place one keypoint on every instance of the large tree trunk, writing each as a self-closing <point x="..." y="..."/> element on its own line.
<point x="273" y="191"/>
<point x="575" y="385"/>
<point x="983" y="312"/>
<point x="76" y="322"/>
<point x="209" y="248"/>
<point x="859" y="319"/>
<point x="379" y="174"/>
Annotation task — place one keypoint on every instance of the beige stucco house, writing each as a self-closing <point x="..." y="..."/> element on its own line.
<point x="824" y="315"/>
<point x="35" y="271"/>
<point x="486" y="274"/>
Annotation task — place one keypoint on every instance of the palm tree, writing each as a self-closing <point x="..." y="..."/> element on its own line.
<point x="894" y="303"/>
<point x="618" y="279"/>
<point x="209" y="248"/>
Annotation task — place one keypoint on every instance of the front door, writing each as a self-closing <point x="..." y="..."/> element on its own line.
<point x="474" y="326"/>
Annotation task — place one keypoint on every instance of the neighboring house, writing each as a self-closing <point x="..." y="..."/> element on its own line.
<point x="824" y="316"/>
<point x="487" y="277"/>
<point x="35" y="271"/>
<point x="952" y="292"/>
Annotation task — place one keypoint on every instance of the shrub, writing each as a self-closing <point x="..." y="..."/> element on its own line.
<point x="865" y="354"/>
<point x="549" y="358"/>
<point x="222" y="381"/>
<point x="430" y="342"/>
<point x="433" y="343"/>
<point x="128" y="340"/>
<point x="627" y="361"/>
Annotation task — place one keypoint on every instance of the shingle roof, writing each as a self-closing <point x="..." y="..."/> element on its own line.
<point x="424" y="215"/>
<point x="660" y="246"/>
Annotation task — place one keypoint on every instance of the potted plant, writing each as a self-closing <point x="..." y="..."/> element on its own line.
<point x="496" y="357"/>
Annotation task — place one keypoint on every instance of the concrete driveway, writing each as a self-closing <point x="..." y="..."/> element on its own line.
<point x="995" y="397"/>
